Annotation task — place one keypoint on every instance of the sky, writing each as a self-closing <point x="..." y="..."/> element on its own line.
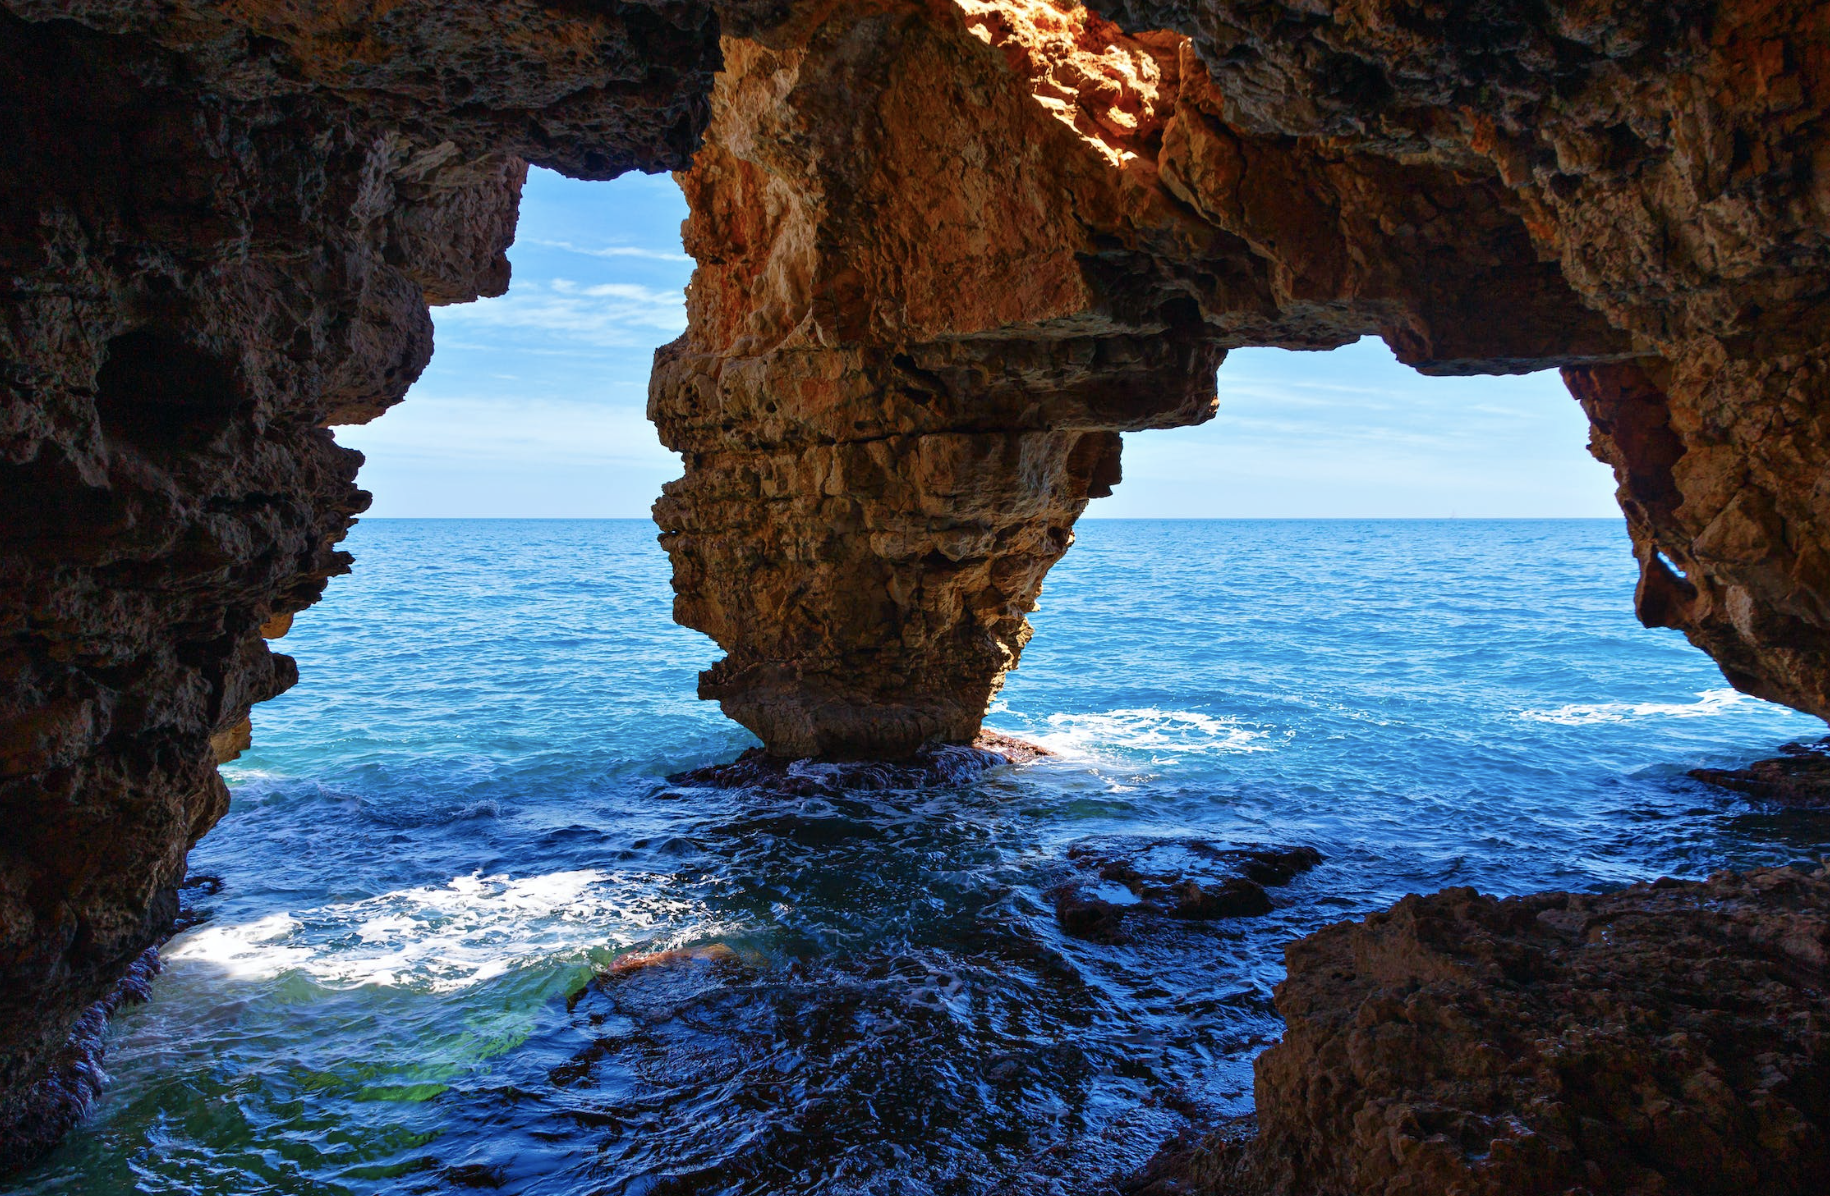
<point x="533" y="404"/>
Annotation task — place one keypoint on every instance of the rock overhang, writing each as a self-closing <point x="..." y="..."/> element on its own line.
<point x="948" y="250"/>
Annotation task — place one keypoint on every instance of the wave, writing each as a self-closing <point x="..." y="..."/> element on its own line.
<point x="1709" y="702"/>
<point x="1172" y="732"/>
<point x="446" y="937"/>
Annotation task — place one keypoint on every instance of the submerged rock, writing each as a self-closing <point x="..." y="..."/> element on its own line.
<point x="1670" y="1038"/>
<point x="945" y="764"/>
<point x="1801" y="777"/>
<point x="1132" y="883"/>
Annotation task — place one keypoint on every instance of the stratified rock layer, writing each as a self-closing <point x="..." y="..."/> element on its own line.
<point x="221" y="226"/>
<point x="1672" y="1038"/>
<point x="1671" y="163"/>
<point x="947" y="252"/>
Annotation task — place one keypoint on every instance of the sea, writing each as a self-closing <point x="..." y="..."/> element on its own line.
<point x="459" y="932"/>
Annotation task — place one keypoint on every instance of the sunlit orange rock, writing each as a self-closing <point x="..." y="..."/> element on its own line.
<point x="947" y="251"/>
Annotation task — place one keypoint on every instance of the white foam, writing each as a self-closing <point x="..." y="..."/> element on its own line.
<point x="1709" y="702"/>
<point x="448" y="936"/>
<point x="1158" y="732"/>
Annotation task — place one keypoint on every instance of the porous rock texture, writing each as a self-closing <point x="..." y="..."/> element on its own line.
<point x="1673" y="1038"/>
<point x="1671" y="164"/>
<point x="221" y="225"/>
<point x="948" y="250"/>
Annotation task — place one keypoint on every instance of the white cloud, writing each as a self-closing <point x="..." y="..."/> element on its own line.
<point x="653" y="255"/>
<point x="611" y="315"/>
<point x="534" y="433"/>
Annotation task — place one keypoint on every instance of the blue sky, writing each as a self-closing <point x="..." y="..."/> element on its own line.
<point x="533" y="404"/>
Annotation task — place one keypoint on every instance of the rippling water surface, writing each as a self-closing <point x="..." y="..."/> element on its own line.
<point x="460" y="817"/>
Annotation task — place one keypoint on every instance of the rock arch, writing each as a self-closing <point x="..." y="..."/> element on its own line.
<point x="947" y="249"/>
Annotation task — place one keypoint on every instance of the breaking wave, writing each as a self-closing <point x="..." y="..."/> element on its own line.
<point x="1709" y="702"/>
<point x="446" y="937"/>
<point x="1154" y="733"/>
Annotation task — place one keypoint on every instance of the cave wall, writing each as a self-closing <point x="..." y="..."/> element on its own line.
<point x="948" y="248"/>
<point x="947" y="251"/>
<point x="1672" y="162"/>
<point x="221" y="227"/>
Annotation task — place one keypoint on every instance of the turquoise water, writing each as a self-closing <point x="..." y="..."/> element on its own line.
<point x="460" y="817"/>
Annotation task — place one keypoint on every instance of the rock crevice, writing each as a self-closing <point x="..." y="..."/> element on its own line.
<point x="1667" y="1038"/>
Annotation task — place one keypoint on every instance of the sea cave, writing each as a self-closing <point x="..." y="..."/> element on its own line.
<point x="946" y="255"/>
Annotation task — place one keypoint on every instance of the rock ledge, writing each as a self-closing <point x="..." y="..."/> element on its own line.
<point x="1670" y="1038"/>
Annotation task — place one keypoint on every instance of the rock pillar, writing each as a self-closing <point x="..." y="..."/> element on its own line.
<point x="947" y="252"/>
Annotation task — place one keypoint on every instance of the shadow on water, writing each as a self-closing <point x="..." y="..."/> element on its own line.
<point x="903" y="1014"/>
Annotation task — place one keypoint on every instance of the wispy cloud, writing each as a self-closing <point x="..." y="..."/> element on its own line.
<point x="609" y="315"/>
<point x="510" y="428"/>
<point x="653" y="255"/>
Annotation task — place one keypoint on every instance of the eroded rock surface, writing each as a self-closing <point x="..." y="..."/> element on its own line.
<point x="1799" y="778"/>
<point x="1671" y="164"/>
<point x="221" y="226"/>
<point x="1670" y="1038"/>
<point x="948" y="251"/>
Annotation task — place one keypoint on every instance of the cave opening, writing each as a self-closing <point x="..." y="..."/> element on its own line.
<point x="460" y="912"/>
<point x="1353" y="433"/>
<point x="533" y="404"/>
<point x="466" y="924"/>
<point x="1373" y="626"/>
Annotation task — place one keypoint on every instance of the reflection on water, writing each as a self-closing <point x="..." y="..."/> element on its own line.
<point x="470" y="938"/>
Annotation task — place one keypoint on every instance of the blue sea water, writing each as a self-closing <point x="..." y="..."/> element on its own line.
<point x="460" y="817"/>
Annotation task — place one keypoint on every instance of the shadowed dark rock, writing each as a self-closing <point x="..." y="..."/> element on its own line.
<point x="1137" y="866"/>
<point x="1799" y="778"/>
<point x="1673" y="1037"/>
<point x="221" y="227"/>
<point x="945" y="764"/>
<point x="73" y="1078"/>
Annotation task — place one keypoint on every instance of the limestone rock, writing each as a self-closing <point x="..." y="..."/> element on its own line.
<point x="1671" y="163"/>
<point x="221" y="226"/>
<point x="948" y="248"/>
<point x="1672" y="1038"/>
<point x="947" y="251"/>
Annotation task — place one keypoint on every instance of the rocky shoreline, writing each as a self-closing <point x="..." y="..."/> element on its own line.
<point x="1799" y="778"/>
<point x="1671" y="1038"/>
<point x="73" y="1082"/>
<point x="947" y="253"/>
